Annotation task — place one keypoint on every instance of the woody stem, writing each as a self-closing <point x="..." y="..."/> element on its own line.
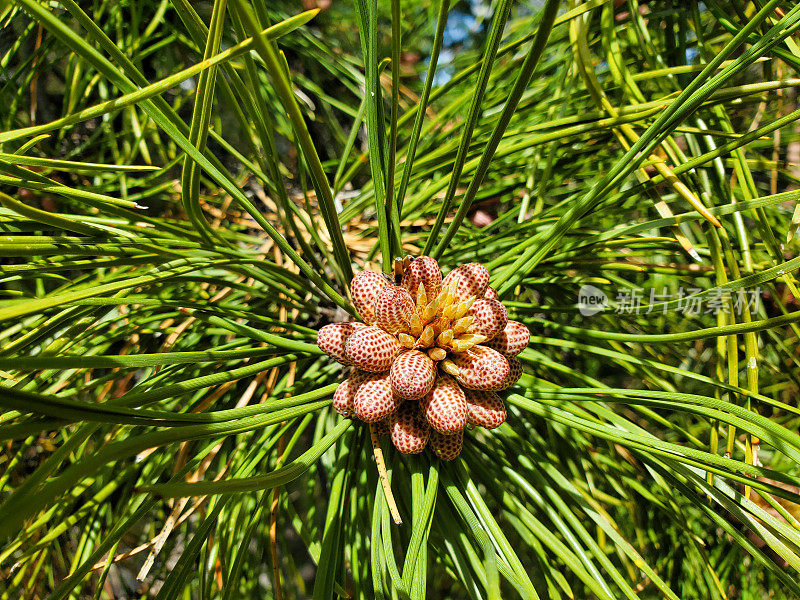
<point x="383" y="475"/>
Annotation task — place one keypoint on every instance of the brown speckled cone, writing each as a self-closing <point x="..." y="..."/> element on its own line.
<point x="447" y="447"/>
<point x="412" y="375"/>
<point x="408" y="429"/>
<point x="428" y="358"/>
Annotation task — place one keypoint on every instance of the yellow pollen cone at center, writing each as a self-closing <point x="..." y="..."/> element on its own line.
<point x="426" y="339"/>
<point x="407" y="341"/>
<point x="415" y="325"/>
<point x="437" y="354"/>
<point x="462" y="324"/>
<point x="445" y="338"/>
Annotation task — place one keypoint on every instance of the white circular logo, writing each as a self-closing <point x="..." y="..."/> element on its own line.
<point x="591" y="300"/>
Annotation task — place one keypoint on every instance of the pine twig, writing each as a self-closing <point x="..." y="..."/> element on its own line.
<point x="383" y="475"/>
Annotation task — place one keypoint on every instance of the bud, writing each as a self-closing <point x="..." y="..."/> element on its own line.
<point x="471" y="280"/>
<point x="408" y="429"/>
<point x="372" y="349"/>
<point x="433" y="306"/>
<point x="485" y="409"/>
<point x="447" y="447"/>
<point x="462" y="307"/>
<point x="345" y="394"/>
<point x="481" y="368"/>
<point x="421" y="298"/>
<point x="512" y="340"/>
<point x="374" y="399"/>
<point x="331" y="339"/>
<point x="462" y="325"/>
<point x="445" y="338"/>
<point x="437" y="354"/>
<point x="514" y="373"/>
<point x="449" y="367"/>
<point x="423" y="271"/>
<point x="393" y="307"/>
<point x="415" y="325"/>
<point x="427" y="337"/>
<point x="412" y="375"/>
<point x="490" y="318"/>
<point x="364" y="289"/>
<point x="429" y="356"/>
<point x="445" y="406"/>
<point x="448" y="294"/>
<point x="467" y="341"/>
<point x="406" y="340"/>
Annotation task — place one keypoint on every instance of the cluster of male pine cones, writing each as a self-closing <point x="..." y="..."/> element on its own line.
<point x="429" y="357"/>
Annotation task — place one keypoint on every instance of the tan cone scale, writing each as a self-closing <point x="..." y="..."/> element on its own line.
<point x="429" y="357"/>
